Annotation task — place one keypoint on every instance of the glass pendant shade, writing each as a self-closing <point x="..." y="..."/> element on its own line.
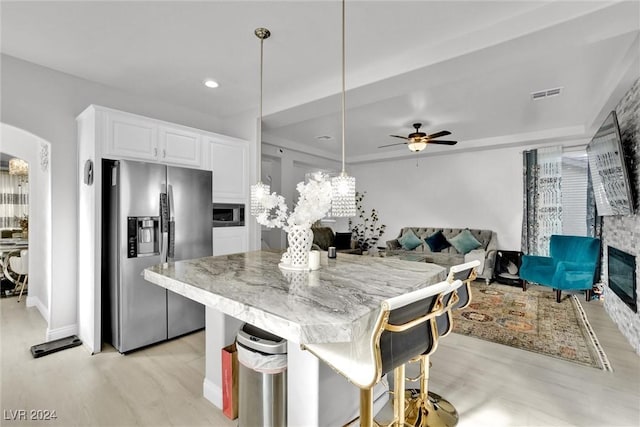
<point x="18" y="167"/>
<point x="417" y="146"/>
<point x="343" y="196"/>
<point x="258" y="191"/>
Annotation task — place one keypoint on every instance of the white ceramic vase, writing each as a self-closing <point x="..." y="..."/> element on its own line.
<point x="300" y="240"/>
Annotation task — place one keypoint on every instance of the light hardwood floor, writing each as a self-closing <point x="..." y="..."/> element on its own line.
<point x="490" y="384"/>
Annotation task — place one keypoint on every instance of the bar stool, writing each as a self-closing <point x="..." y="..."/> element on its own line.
<point x="429" y="408"/>
<point x="404" y="329"/>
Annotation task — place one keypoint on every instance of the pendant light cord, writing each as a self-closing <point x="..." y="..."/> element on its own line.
<point x="261" y="33"/>
<point x="343" y="88"/>
<point x="260" y="122"/>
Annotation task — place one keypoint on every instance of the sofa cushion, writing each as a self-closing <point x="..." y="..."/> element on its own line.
<point x="437" y="242"/>
<point x="464" y="242"/>
<point x="444" y="259"/>
<point x="409" y="240"/>
<point x="342" y="240"/>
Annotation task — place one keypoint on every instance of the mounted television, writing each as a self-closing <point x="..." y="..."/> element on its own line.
<point x="609" y="176"/>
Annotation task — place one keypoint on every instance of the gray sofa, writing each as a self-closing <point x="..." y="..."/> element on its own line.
<point x="449" y="257"/>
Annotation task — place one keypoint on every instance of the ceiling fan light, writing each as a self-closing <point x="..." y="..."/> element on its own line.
<point x="417" y="146"/>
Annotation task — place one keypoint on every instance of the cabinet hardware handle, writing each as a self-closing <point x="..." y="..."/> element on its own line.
<point x="164" y="153"/>
<point x="155" y="152"/>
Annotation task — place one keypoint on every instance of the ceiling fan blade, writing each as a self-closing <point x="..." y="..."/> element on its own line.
<point x="443" y="142"/>
<point x="391" y="145"/>
<point x="439" y="134"/>
<point x="398" y="136"/>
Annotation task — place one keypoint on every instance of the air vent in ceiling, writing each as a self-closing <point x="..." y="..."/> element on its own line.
<point x="547" y="93"/>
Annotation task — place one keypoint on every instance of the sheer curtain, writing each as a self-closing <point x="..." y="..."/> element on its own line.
<point x="558" y="198"/>
<point x="542" y="199"/>
<point x="14" y="199"/>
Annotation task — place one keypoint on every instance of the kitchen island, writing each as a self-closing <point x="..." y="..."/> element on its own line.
<point x="336" y="303"/>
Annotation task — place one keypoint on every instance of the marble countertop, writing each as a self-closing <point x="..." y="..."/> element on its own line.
<point x="332" y="304"/>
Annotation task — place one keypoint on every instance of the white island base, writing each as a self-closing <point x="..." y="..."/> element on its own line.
<point x="317" y="395"/>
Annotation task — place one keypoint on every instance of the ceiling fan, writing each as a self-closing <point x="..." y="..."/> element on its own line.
<point x="417" y="141"/>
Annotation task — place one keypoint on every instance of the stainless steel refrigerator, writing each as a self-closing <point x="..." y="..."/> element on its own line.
<point x="151" y="214"/>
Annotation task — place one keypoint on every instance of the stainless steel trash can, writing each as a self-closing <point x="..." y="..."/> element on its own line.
<point x="263" y="378"/>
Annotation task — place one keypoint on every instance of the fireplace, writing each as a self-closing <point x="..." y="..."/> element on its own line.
<point x="622" y="276"/>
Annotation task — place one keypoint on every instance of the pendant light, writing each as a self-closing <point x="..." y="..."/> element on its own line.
<point x="259" y="190"/>
<point x="343" y="186"/>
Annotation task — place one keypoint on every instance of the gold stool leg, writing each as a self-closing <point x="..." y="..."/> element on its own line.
<point x="398" y="396"/>
<point x="429" y="409"/>
<point x="366" y="407"/>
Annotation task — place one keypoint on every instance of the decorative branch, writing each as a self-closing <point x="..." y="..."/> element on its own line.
<point x="368" y="231"/>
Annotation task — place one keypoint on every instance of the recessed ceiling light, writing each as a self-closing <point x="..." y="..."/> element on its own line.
<point x="211" y="83"/>
<point x="324" y="138"/>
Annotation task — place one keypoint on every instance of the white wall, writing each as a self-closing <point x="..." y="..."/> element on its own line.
<point x="46" y="102"/>
<point x="480" y="189"/>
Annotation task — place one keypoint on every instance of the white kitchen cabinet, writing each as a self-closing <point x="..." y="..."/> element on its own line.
<point x="230" y="240"/>
<point x="229" y="162"/>
<point x="129" y="136"/>
<point x="180" y="146"/>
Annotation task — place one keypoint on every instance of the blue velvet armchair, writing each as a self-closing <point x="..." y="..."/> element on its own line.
<point x="571" y="266"/>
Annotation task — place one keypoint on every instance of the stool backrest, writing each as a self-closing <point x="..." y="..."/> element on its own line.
<point x="408" y="324"/>
<point x="466" y="273"/>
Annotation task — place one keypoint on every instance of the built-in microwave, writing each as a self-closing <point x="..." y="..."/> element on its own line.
<point x="228" y="215"/>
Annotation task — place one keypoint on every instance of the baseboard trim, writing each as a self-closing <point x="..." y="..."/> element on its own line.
<point x="35" y="302"/>
<point x="65" y="331"/>
<point x="212" y="392"/>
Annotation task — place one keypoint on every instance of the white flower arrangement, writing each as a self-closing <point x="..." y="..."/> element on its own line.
<point x="313" y="204"/>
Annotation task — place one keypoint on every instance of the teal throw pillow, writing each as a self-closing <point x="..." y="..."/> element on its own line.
<point x="409" y="240"/>
<point x="464" y="242"/>
<point x="437" y="242"/>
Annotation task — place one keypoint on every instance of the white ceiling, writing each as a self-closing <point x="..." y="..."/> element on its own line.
<point x="468" y="67"/>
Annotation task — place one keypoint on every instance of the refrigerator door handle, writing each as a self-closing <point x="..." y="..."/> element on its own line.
<point x="164" y="227"/>
<point x="172" y="225"/>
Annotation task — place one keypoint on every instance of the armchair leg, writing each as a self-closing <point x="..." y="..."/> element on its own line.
<point x="558" y="293"/>
<point x="524" y="286"/>
<point x="588" y="293"/>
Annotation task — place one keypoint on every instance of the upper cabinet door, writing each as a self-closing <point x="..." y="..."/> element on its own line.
<point x="129" y="136"/>
<point x="229" y="164"/>
<point x="180" y="146"/>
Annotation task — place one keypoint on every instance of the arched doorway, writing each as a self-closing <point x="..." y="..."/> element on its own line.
<point x="36" y="151"/>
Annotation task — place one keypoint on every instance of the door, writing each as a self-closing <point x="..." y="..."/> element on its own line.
<point x="142" y="305"/>
<point x="190" y="211"/>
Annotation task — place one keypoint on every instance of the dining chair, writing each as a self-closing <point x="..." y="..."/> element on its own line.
<point x="404" y="329"/>
<point x="20" y="266"/>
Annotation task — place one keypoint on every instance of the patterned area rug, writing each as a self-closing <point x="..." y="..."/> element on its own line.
<point x="533" y="321"/>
